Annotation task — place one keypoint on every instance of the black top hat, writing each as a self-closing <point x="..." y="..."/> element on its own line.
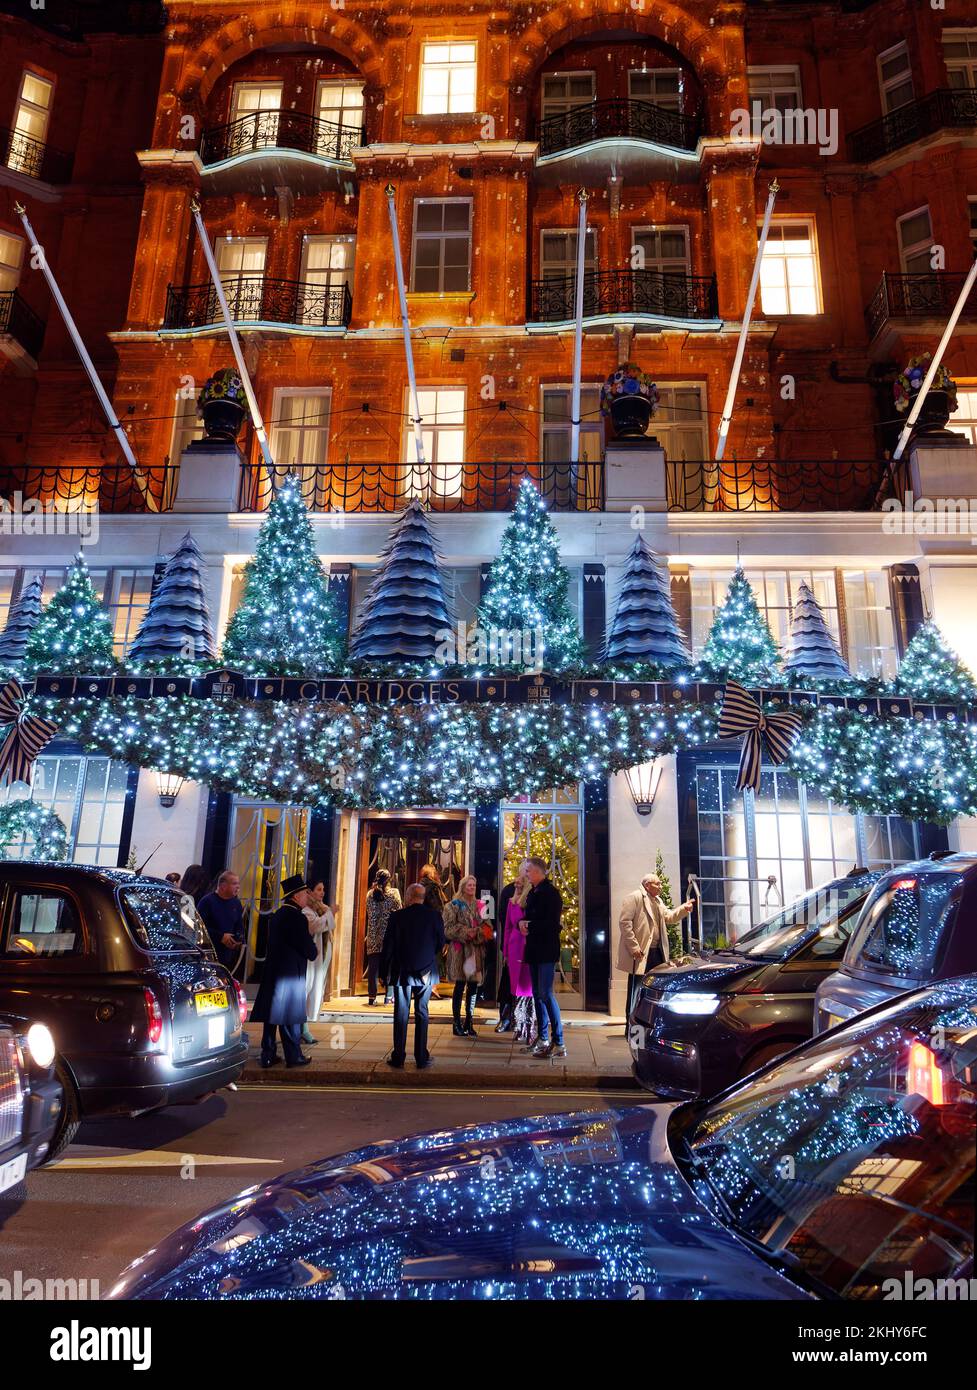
<point x="293" y="884"/>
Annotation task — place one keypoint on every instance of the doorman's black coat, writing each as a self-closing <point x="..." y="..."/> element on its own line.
<point x="281" y="994"/>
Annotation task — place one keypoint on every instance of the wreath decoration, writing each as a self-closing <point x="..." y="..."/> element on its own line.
<point x="45" y="827"/>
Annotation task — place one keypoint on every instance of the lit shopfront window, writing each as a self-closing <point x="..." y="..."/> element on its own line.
<point x="89" y="794"/>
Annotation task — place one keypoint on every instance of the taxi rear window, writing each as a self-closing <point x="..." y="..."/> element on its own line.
<point x="904" y="922"/>
<point x="163" y="919"/>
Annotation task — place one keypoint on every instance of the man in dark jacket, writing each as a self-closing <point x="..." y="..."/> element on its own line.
<point x="408" y="963"/>
<point x="544" y="909"/>
<point x="281" y="999"/>
<point x="223" y="916"/>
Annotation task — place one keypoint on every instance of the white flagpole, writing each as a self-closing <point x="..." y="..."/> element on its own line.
<point x="69" y="322"/>
<point x="727" y="416"/>
<point x="578" y="328"/>
<point x="256" y="420"/>
<point x="390" y="191"/>
<point x="913" y="416"/>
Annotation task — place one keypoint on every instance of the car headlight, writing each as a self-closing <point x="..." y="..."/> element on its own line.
<point x="690" y="1003"/>
<point x="40" y="1040"/>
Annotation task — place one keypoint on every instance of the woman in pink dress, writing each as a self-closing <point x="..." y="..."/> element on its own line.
<point x="519" y="975"/>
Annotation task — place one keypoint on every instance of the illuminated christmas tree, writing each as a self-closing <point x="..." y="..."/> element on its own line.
<point x="675" y="947"/>
<point x="537" y="838"/>
<point x="176" y="629"/>
<point x="645" y="628"/>
<point x="286" y="622"/>
<point x="740" y="644"/>
<point x="74" y="632"/>
<point x="812" y="653"/>
<point x="21" y="621"/>
<point x="528" y="585"/>
<point x="405" y="613"/>
<point x="931" y="669"/>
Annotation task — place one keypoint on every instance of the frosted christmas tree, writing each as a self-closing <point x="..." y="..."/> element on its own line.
<point x="73" y="635"/>
<point x="812" y="653"/>
<point x="405" y="614"/>
<point x="176" y="631"/>
<point x="528" y="585"/>
<point x="21" y="622"/>
<point x="931" y="670"/>
<point x="645" y="628"/>
<point x="740" y="644"/>
<point x="286" y="622"/>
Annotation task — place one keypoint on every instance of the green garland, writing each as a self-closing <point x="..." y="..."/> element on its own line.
<point x="331" y="755"/>
<point x="44" y="827"/>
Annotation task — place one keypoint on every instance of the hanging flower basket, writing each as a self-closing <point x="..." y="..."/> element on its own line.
<point x="630" y="398"/>
<point x="941" y="399"/>
<point x="222" y="404"/>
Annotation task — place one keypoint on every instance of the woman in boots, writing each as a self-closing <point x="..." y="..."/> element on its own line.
<point x="381" y="902"/>
<point x="514" y="950"/>
<point x="464" y="934"/>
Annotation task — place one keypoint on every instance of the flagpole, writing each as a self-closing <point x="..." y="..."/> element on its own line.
<point x="913" y="416"/>
<point x="727" y="415"/>
<point x="578" y="327"/>
<point x="390" y="191"/>
<point x="252" y="399"/>
<point x="87" y="363"/>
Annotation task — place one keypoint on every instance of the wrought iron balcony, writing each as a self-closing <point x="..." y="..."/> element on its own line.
<point x="944" y="109"/>
<point x="917" y="297"/>
<point x="260" y="299"/>
<point x="25" y="155"/>
<point x="73" y="18"/>
<point x="454" y="487"/>
<point x="658" y="294"/>
<point x="280" y="130"/>
<point x="114" y="488"/>
<point x="777" y="485"/>
<point x="18" y="320"/>
<point x="617" y="119"/>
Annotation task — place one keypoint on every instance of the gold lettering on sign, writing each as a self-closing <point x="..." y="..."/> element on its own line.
<point x="363" y="691"/>
<point x="395" y="691"/>
<point x="309" y="690"/>
<point x="453" y="691"/>
<point x="435" y="692"/>
<point x="412" y="693"/>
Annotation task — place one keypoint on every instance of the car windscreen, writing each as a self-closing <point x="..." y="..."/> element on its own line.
<point x="163" y="919"/>
<point x="855" y="1158"/>
<point x="903" y="923"/>
<point x="781" y="934"/>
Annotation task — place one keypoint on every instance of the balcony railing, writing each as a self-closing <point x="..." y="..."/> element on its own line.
<point x="777" y="485"/>
<point x="657" y="293"/>
<point x="71" y="19"/>
<point x="917" y="296"/>
<point x="260" y="299"/>
<point x="280" y="130"/>
<point x="34" y="158"/>
<point x="617" y="120"/>
<point x="112" y="488"/>
<point x="19" y="320"/>
<point x="946" y="108"/>
<point x="451" y="487"/>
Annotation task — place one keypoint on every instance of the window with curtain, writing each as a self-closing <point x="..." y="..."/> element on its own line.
<point x="29" y="127"/>
<point x="448" y="73"/>
<point x="789" y="278"/>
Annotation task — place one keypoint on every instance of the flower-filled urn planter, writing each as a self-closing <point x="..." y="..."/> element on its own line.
<point x="222" y="404"/>
<point x="940" y="401"/>
<point x="630" y="398"/>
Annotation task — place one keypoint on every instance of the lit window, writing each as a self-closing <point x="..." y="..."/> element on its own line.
<point x="327" y="270"/>
<point x="564" y="91"/>
<point x="960" y="56"/>
<point x="915" y="232"/>
<point x="557" y="424"/>
<point x="89" y="795"/>
<point x="187" y="425"/>
<point x="868" y="618"/>
<point x="665" y="249"/>
<point x="660" y="86"/>
<point x="259" y="105"/>
<point x="447" y="78"/>
<point x="11" y="260"/>
<point x="964" y="421"/>
<point x="442" y="426"/>
<point x="972" y="210"/>
<point x="776" y="593"/>
<point x="241" y="262"/>
<point x="129" y="592"/>
<point x="8" y="583"/>
<point x="442" y="245"/>
<point x="29" y="130"/>
<point x="789" y="270"/>
<point x="895" y="78"/>
<point x="681" y="424"/>
<point x="340" y="103"/>
<point x="776" y="88"/>
<point x="299" y="439"/>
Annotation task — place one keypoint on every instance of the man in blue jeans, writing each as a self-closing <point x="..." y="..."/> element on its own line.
<point x="541" y="928"/>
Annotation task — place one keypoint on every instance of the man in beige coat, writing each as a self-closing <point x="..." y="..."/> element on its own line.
<point x="644" y="923"/>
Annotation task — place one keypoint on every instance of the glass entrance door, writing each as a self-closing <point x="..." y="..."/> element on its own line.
<point x="268" y="842"/>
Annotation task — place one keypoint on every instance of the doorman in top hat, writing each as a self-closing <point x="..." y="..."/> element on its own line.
<point x="281" y="999"/>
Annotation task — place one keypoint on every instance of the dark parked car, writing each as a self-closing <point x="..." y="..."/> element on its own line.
<point x="919" y="924"/>
<point x="120" y="969"/>
<point x="30" y="1097"/>
<point x="834" y="1172"/>
<point x="698" y="1027"/>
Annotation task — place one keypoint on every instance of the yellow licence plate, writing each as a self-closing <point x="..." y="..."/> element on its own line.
<point x="212" y="1001"/>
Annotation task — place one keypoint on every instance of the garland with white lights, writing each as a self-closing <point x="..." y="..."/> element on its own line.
<point x="44" y="828"/>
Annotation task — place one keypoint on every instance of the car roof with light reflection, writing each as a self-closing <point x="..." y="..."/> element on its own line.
<point x="117" y="877"/>
<point x="958" y="862"/>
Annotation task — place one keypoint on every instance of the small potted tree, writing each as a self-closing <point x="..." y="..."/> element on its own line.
<point x="222" y="404"/>
<point x="941" y="399"/>
<point x="630" y="398"/>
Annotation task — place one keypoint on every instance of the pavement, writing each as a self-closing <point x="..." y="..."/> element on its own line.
<point x="354" y="1043"/>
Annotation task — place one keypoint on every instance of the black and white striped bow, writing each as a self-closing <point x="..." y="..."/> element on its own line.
<point x="30" y="733"/>
<point x="742" y="715"/>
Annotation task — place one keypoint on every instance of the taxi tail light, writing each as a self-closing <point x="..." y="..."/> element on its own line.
<point x="242" y="1003"/>
<point x="903" y="885"/>
<point x="924" y="1075"/>
<point x="154" y="1016"/>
